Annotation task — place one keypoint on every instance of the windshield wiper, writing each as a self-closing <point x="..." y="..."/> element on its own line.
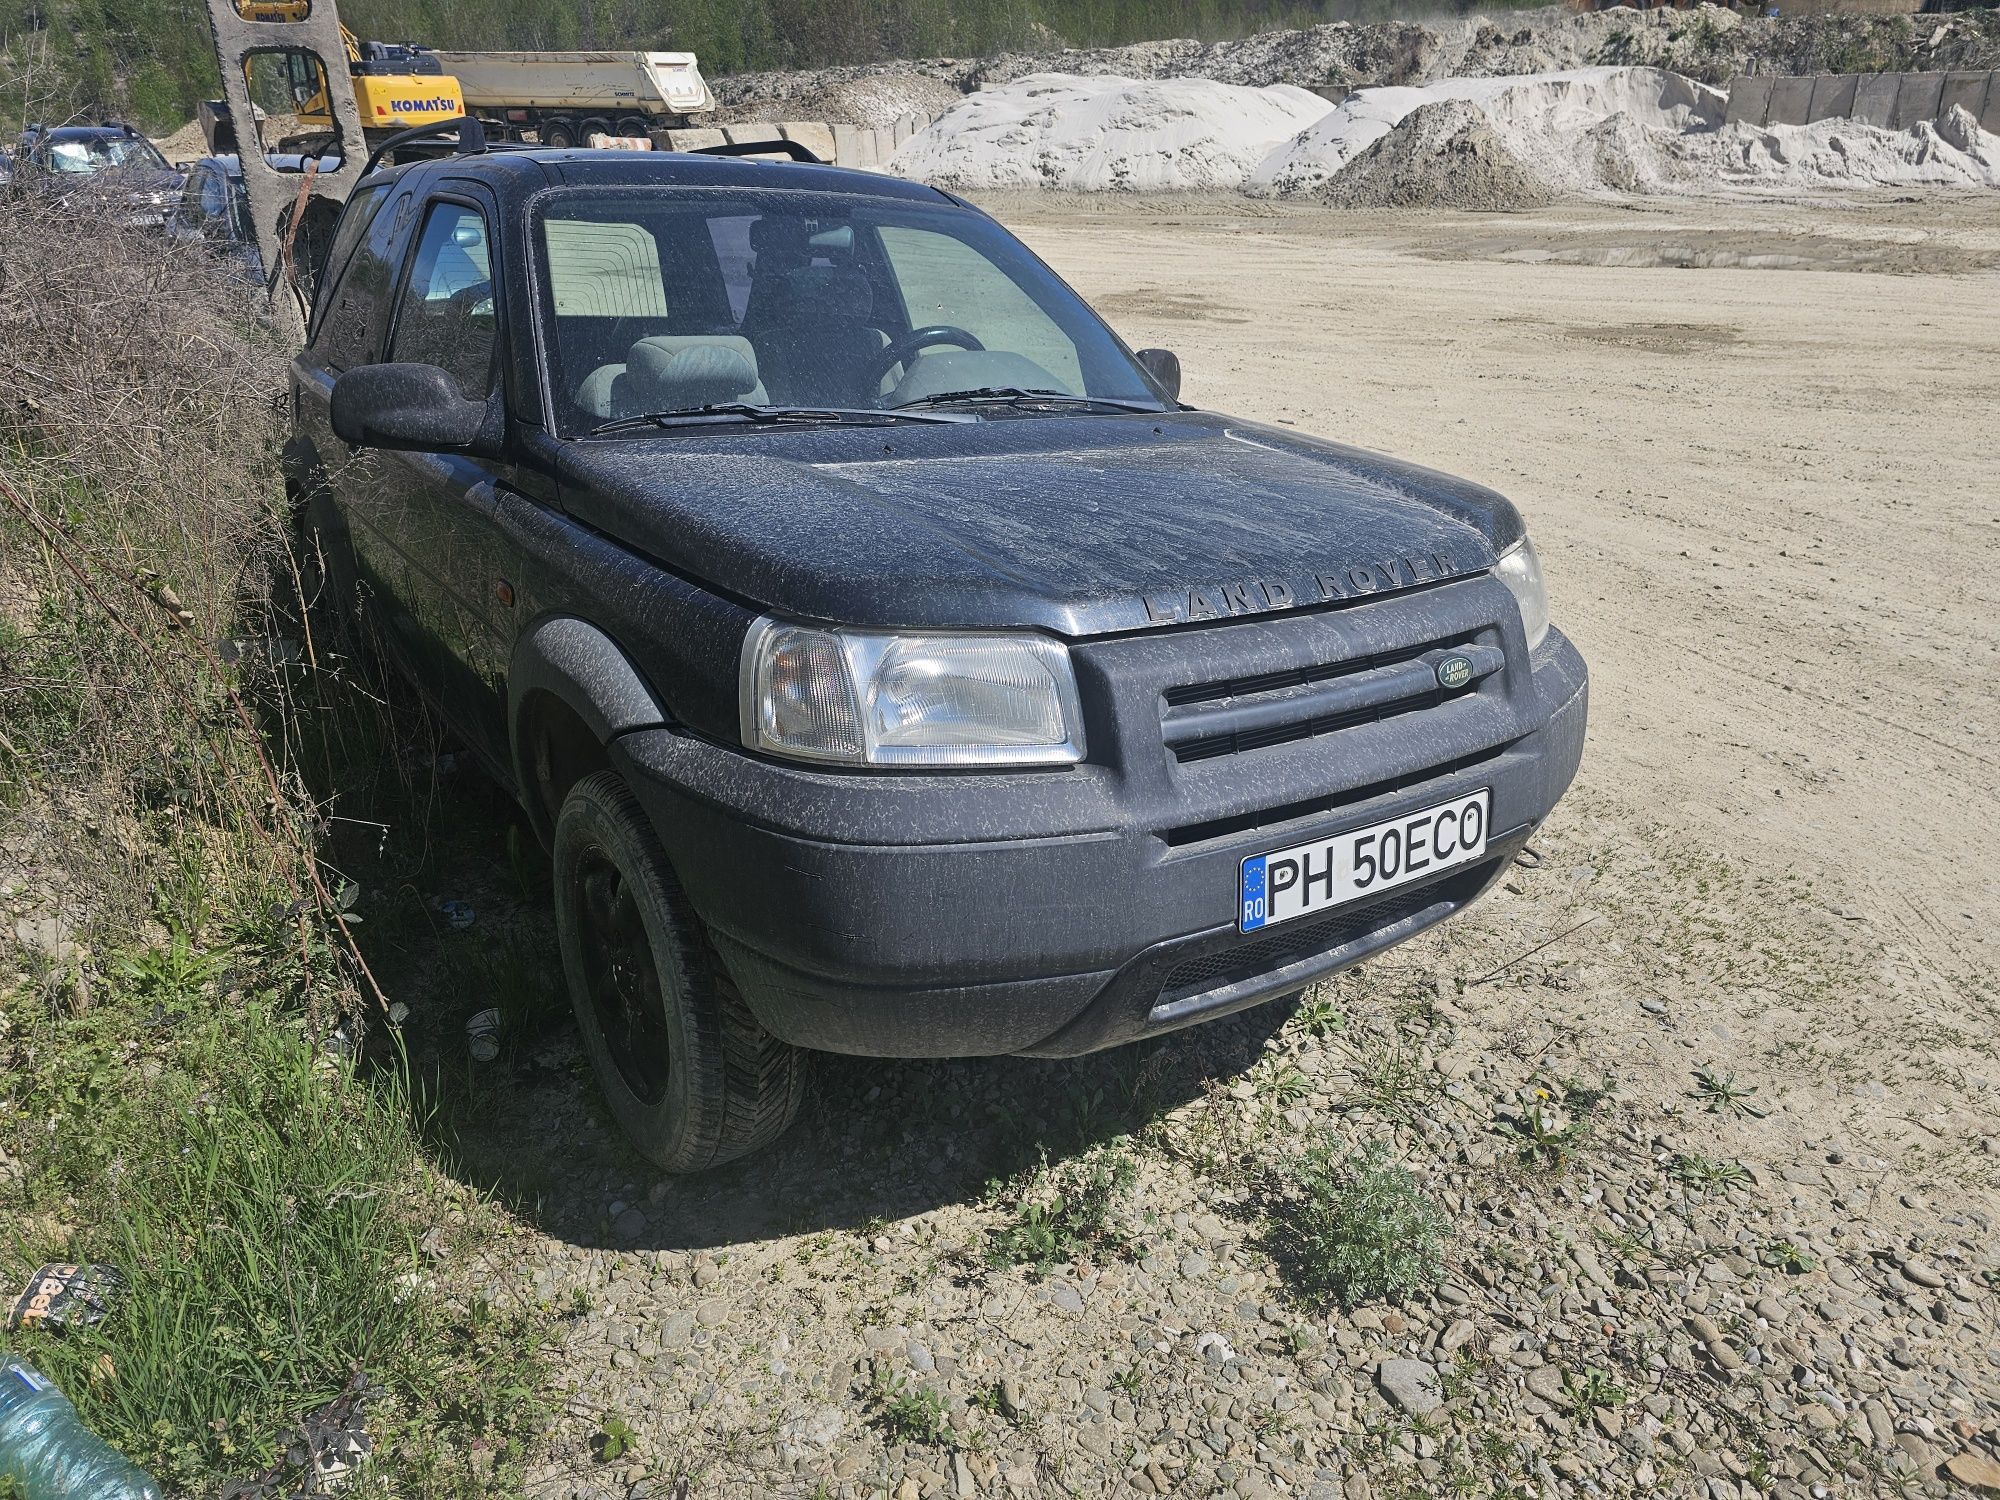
<point x="767" y="415"/>
<point x="1016" y="395"/>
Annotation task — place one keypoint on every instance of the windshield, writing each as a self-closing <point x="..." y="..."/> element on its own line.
<point x="668" y="300"/>
<point x="95" y="153"/>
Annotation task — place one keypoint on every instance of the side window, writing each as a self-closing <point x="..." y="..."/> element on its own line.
<point x="347" y="310"/>
<point x="945" y="280"/>
<point x="446" y="316"/>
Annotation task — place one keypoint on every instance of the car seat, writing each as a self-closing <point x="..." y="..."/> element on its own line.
<point x="668" y="372"/>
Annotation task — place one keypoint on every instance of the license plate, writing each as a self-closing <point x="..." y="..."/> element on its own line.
<point x="1329" y="872"/>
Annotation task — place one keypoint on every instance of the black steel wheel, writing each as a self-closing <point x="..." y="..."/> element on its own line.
<point x="691" y="1076"/>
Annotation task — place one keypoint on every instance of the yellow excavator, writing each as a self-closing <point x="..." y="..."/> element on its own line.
<point x="396" y="85"/>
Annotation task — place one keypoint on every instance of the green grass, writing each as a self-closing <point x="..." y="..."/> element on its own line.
<point x="1063" y="1213"/>
<point x="906" y="1413"/>
<point x="264" y="1201"/>
<point x="1355" y="1227"/>
<point x="1706" y="1173"/>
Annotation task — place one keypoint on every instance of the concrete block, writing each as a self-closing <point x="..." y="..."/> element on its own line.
<point x="1791" y="101"/>
<point x="1989" y="114"/>
<point x="1875" y="98"/>
<point x="815" y="135"/>
<point x="1966" y="90"/>
<point x="1832" y="96"/>
<point x="695" y="140"/>
<point x="908" y="126"/>
<point x="1917" y="97"/>
<point x="750" y="130"/>
<point x="885" y="145"/>
<point x="1749" y="100"/>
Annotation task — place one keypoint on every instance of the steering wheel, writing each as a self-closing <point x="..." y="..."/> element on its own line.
<point x="902" y="350"/>
<point x="466" y="300"/>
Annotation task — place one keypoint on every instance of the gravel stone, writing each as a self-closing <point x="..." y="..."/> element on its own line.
<point x="1410" y="1384"/>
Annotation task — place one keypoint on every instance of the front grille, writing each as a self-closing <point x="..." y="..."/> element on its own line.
<point x="1246" y="959"/>
<point x="1201" y="721"/>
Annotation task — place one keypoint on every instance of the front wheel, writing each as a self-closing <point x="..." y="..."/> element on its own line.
<point x="690" y="1075"/>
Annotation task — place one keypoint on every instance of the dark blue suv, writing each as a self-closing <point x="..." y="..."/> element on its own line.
<point x="894" y="664"/>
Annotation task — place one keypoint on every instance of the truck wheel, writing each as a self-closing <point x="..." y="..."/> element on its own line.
<point x="559" y="135"/>
<point x="691" y="1076"/>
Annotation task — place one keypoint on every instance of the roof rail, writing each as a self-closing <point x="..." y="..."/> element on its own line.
<point x="759" y="148"/>
<point x="471" y="139"/>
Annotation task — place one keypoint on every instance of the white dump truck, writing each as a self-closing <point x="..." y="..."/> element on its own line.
<point x="564" y="98"/>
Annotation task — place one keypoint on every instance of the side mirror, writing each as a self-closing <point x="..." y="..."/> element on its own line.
<point x="1165" y="367"/>
<point x="409" y="406"/>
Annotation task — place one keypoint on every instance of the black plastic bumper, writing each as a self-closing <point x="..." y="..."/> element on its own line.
<point x="1057" y="913"/>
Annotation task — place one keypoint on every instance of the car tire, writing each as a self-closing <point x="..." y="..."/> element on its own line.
<point x="689" y="1074"/>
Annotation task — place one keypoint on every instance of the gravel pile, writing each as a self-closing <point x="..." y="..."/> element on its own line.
<point x="1441" y="155"/>
<point x="876" y="97"/>
<point x="1707" y="43"/>
<point x="1660" y="1277"/>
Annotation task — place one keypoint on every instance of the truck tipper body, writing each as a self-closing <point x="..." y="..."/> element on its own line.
<point x="567" y="97"/>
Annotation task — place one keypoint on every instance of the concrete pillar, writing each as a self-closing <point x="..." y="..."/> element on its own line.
<point x="884" y="140"/>
<point x="1989" y="113"/>
<point x="1791" y="101"/>
<point x="1749" y="100"/>
<point x="815" y="136"/>
<point x="908" y="126"/>
<point x="694" y="140"/>
<point x="1917" y="99"/>
<point x="1875" y="98"/>
<point x="1832" y="97"/>
<point x="854" y="146"/>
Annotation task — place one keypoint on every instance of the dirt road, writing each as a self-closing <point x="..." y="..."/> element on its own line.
<point x="1768" y="500"/>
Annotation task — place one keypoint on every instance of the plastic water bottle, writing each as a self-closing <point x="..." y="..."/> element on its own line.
<point x="48" y="1452"/>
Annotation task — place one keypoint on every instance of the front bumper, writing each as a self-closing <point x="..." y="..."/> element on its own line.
<point x="1057" y="913"/>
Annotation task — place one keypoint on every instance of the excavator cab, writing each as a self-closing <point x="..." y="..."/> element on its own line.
<point x="396" y="85"/>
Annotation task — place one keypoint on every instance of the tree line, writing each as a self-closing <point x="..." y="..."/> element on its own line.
<point x="150" y="61"/>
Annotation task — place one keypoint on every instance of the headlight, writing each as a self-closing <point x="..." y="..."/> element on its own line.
<point x="1521" y="571"/>
<point x="880" y="698"/>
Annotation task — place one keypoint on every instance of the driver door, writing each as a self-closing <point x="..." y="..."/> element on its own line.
<point x="436" y="509"/>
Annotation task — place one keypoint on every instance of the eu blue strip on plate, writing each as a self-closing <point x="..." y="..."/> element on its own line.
<point x="1255" y="908"/>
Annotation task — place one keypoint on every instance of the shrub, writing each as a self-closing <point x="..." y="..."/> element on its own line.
<point x="1357" y="1228"/>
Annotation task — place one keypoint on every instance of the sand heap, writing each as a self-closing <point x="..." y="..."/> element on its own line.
<point x="1505" y="143"/>
<point x="1440" y="155"/>
<point x="1547" y="120"/>
<point x="1108" y="134"/>
<point x="1638" y="130"/>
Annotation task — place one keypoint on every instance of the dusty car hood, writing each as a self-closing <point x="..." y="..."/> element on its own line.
<point x="146" y="187"/>
<point x="1077" y="524"/>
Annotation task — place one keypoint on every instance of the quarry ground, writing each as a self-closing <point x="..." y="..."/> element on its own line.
<point x="1766" y="501"/>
